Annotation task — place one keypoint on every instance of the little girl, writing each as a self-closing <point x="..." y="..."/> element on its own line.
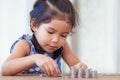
<point x="51" y="22"/>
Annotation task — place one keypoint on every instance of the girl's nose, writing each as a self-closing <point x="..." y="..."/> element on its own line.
<point x="55" y="39"/>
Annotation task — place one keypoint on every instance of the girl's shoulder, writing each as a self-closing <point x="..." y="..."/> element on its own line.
<point x="26" y="37"/>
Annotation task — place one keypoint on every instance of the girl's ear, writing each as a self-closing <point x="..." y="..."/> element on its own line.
<point x="33" y="25"/>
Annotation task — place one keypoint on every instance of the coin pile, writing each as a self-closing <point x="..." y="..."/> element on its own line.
<point x="83" y="73"/>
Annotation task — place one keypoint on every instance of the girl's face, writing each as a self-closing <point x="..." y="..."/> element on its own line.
<point x="51" y="36"/>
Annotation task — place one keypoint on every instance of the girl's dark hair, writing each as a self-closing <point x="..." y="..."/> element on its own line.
<point x="45" y="10"/>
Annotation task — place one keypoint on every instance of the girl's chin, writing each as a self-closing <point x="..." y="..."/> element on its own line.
<point x="49" y="51"/>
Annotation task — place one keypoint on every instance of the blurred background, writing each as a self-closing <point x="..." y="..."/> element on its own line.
<point x="96" y="41"/>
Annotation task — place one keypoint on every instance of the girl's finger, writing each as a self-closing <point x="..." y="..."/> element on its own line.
<point x="46" y="69"/>
<point x="55" y="66"/>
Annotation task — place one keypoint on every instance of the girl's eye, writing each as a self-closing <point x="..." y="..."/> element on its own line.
<point x="50" y="32"/>
<point x="64" y="36"/>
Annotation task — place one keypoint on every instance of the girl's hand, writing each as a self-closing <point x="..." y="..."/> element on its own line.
<point x="80" y="65"/>
<point x="47" y="64"/>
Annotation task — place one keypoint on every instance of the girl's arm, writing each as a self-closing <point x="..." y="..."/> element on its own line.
<point x="20" y="60"/>
<point x="71" y="59"/>
<point x="17" y="61"/>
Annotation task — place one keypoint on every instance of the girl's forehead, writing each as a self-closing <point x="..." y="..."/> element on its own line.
<point x="60" y="22"/>
<point x="64" y="17"/>
<point x="59" y="25"/>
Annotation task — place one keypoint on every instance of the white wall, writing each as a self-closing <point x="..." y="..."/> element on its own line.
<point x="118" y="37"/>
<point x="97" y="34"/>
<point x="14" y="16"/>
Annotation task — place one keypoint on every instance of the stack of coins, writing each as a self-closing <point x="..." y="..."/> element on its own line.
<point x="94" y="74"/>
<point x="43" y="75"/>
<point x="83" y="73"/>
<point x="88" y="73"/>
<point x="73" y="72"/>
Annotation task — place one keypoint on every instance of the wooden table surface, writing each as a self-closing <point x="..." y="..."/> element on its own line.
<point x="37" y="77"/>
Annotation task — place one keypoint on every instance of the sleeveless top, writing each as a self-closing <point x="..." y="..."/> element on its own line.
<point x="35" y="68"/>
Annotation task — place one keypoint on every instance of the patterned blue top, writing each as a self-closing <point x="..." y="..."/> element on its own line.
<point x="35" y="68"/>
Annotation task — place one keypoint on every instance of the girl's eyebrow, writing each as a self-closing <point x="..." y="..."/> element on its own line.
<point x="56" y="30"/>
<point x="52" y="28"/>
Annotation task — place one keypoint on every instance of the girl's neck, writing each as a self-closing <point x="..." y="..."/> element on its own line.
<point x="38" y="48"/>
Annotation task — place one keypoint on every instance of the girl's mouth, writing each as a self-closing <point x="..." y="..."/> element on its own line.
<point x="52" y="47"/>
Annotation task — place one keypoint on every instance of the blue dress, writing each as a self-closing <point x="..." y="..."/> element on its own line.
<point x="35" y="68"/>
